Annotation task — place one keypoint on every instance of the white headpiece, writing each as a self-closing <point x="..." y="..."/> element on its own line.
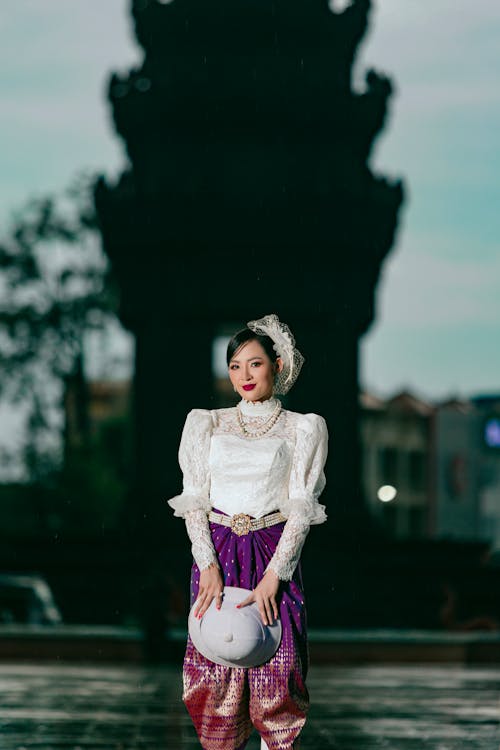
<point x="284" y="346"/>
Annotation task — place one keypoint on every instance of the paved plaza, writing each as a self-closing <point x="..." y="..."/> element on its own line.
<point x="372" y="707"/>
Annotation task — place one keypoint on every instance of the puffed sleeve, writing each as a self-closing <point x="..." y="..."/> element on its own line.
<point x="193" y="459"/>
<point x="307" y="476"/>
<point x="307" y="481"/>
<point x="193" y="502"/>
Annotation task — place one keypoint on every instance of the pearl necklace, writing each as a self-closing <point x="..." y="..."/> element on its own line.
<point x="265" y="427"/>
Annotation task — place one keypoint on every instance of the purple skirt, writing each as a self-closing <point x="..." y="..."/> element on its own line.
<point x="225" y="703"/>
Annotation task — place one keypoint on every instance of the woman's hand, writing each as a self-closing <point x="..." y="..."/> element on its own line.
<point x="265" y="596"/>
<point x="211" y="585"/>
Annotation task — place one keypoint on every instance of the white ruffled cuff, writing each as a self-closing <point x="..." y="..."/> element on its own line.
<point x="187" y="501"/>
<point x="309" y="509"/>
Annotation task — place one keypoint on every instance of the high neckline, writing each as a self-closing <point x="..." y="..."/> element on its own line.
<point x="258" y="408"/>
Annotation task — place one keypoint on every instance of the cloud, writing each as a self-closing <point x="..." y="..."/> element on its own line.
<point x="55" y="59"/>
<point x="431" y="99"/>
<point x="423" y="285"/>
<point x="462" y="360"/>
<point x="410" y="21"/>
<point x="440" y="55"/>
<point x="81" y="31"/>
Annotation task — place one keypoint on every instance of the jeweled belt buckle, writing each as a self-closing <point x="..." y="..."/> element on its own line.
<point x="241" y="523"/>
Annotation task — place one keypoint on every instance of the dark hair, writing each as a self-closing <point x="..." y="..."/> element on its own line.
<point x="245" y="335"/>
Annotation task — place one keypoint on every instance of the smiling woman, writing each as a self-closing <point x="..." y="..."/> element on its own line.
<point x="253" y="365"/>
<point x="252" y="478"/>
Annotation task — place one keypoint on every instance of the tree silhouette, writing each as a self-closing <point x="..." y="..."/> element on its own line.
<point x="55" y="286"/>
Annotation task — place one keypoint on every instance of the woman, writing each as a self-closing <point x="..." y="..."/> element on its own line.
<point x="240" y="464"/>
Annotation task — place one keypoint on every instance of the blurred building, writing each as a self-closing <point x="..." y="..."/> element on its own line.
<point x="488" y="436"/>
<point x="433" y="470"/>
<point x="457" y="459"/>
<point x="467" y="475"/>
<point x="397" y="461"/>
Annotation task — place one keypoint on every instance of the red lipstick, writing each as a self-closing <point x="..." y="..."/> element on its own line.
<point x="249" y="387"/>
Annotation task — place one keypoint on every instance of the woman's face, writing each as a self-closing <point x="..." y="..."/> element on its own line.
<point x="252" y="373"/>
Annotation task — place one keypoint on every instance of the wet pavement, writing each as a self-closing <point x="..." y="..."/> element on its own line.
<point x="372" y="707"/>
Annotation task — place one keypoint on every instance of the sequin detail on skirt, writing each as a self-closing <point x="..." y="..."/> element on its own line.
<point x="225" y="703"/>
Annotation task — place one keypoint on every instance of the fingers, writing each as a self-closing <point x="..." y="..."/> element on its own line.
<point x="211" y="586"/>
<point x="204" y="600"/>
<point x="200" y="607"/>
<point x="275" y="608"/>
<point x="268" y="608"/>
<point x="204" y="605"/>
<point x="246" y="601"/>
<point x="267" y="605"/>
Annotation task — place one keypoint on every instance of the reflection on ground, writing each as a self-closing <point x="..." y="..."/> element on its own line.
<point x="395" y="707"/>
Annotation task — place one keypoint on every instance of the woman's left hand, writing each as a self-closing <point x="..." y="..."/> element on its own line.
<point x="264" y="594"/>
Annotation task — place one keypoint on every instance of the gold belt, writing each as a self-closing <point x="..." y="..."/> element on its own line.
<point x="242" y="524"/>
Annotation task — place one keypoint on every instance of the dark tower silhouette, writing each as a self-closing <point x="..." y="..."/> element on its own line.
<point x="248" y="192"/>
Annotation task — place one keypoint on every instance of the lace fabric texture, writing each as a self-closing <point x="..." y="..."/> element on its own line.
<point x="283" y="470"/>
<point x="287" y="555"/>
<point x="193" y="460"/>
<point x="201" y="541"/>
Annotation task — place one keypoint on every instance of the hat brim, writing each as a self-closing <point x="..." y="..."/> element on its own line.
<point x="234" y="595"/>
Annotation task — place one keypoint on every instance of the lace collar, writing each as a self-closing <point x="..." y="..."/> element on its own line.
<point x="258" y="408"/>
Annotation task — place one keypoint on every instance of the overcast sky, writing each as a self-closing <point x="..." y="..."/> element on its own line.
<point x="438" y="304"/>
<point x="438" y="326"/>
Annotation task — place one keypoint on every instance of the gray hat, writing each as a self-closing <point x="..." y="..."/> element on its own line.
<point x="234" y="637"/>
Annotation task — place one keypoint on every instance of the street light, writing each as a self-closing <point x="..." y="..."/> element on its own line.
<point x="386" y="493"/>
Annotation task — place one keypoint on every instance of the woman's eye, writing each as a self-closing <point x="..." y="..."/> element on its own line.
<point x="233" y="367"/>
<point x="256" y="364"/>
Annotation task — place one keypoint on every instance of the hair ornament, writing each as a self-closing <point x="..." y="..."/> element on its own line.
<point x="284" y="346"/>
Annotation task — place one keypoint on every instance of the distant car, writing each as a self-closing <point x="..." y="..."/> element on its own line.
<point x="27" y="599"/>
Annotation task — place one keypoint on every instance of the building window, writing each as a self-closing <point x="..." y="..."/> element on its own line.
<point x="417" y="470"/>
<point x="388" y="465"/>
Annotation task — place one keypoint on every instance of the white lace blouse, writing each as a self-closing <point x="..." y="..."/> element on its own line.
<point x="224" y="469"/>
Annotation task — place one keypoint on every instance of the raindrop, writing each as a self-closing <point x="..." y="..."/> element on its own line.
<point x="119" y="90"/>
<point x="142" y="84"/>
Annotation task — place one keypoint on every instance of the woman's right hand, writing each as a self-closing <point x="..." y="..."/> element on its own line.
<point x="211" y="586"/>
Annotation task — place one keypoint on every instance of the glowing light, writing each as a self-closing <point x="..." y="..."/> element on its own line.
<point x="386" y="493"/>
<point x="492" y="432"/>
